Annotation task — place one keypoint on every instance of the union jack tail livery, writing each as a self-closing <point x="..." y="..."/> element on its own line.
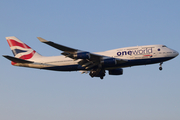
<point x="20" y="49"/>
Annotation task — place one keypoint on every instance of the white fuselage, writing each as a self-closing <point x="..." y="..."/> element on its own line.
<point x="138" y="55"/>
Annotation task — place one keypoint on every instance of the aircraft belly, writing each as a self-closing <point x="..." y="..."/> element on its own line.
<point x="65" y="68"/>
<point x="144" y="61"/>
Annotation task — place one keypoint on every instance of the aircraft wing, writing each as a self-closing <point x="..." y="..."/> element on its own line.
<point x="88" y="60"/>
<point x="57" y="46"/>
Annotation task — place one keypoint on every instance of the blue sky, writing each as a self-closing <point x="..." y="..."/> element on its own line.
<point x="143" y="92"/>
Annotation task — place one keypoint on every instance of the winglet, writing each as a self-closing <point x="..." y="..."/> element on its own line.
<point x="42" y="40"/>
<point x="57" y="46"/>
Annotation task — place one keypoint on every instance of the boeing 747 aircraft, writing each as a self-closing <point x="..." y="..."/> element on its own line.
<point x="96" y="64"/>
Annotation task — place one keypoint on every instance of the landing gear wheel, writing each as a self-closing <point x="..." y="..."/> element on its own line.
<point x="101" y="77"/>
<point x="160" y="68"/>
<point x="97" y="73"/>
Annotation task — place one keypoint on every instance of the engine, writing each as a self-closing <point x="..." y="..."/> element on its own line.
<point x="82" y="55"/>
<point x="116" y="71"/>
<point x="109" y="62"/>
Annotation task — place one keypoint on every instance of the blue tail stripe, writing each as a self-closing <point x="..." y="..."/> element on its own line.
<point x="17" y="51"/>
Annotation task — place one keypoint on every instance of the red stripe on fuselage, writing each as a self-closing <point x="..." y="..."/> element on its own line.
<point x="12" y="43"/>
<point x="147" y="55"/>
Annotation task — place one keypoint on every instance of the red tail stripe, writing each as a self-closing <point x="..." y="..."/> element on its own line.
<point x="28" y="56"/>
<point x="25" y="57"/>
<point x="13" y="63"/>
<point x="12" y="42"/>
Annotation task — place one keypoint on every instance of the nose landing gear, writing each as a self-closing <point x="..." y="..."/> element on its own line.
<point x="160" y="68"/>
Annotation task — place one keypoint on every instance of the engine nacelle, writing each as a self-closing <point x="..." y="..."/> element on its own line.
<point x="109" y="62"/>
<point x="116" y="71"/>
<point x="82" y="55"/>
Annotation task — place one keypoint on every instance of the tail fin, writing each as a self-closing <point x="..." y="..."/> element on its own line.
<point x="20" y="49"/>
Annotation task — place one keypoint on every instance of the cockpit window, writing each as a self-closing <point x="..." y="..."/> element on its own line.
<point x="164" y="46"/>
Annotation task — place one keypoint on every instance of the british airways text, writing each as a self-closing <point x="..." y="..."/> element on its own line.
<point x="136" y="52"/>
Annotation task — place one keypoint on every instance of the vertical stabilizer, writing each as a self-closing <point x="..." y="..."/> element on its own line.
<point x="20" y="49"/>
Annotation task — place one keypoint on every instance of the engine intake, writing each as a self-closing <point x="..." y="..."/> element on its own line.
<point x="116" y="71"/>
<point x="82" y="55"/>
<point x="109" y="62"/>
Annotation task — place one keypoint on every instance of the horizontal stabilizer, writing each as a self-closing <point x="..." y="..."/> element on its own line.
<point x="16" y="60"/>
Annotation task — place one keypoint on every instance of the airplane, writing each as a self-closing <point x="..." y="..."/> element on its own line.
<point x="96" y="64"/>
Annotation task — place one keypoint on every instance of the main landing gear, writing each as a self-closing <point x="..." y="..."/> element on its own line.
<point x="160" y="68"/>
<point x="97" y="73"/>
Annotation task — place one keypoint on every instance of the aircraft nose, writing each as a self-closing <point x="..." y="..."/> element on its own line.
<point x="177" y="53"/>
